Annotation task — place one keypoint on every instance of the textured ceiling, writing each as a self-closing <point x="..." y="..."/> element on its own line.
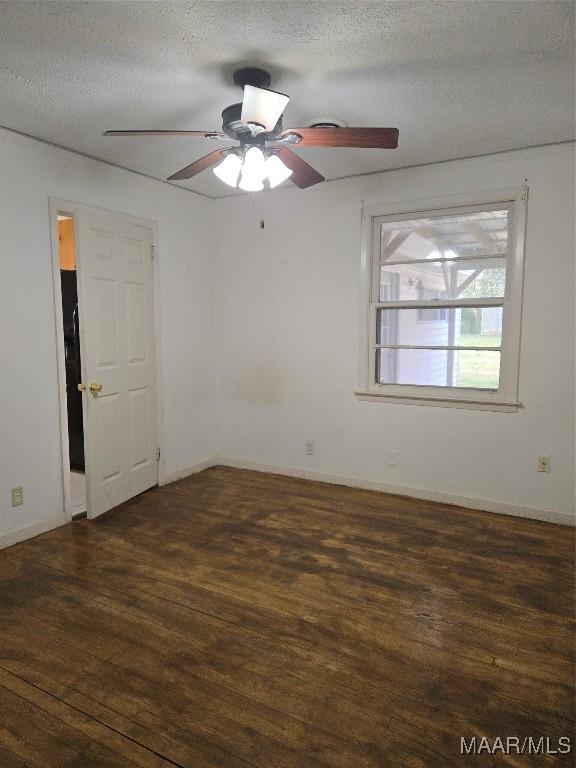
<point x="457" y="78"/>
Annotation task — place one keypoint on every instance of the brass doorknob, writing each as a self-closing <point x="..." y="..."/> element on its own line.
<point x="95" y="388"/>
<point x="82" y="387"/>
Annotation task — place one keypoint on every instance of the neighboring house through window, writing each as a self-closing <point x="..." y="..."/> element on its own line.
<point x="444" y="284"/>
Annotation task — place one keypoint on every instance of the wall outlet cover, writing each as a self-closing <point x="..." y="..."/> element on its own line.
<point x="543" y="463"/>
<point x="17" y="496"/>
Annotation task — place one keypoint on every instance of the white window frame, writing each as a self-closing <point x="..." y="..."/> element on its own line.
<point x="505" y="398"/>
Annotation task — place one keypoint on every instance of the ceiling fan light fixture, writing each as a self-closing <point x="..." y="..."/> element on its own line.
<point x="229" y="169"/>
<point x="262" y="107"/>
<point x="262" y="152"/>
<point x="276" y="171"/>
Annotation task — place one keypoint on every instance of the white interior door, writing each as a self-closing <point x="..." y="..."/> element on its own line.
<point x="118" y="362"/>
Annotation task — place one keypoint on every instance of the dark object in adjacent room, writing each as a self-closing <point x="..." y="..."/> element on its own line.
<point x="73" y="368"/>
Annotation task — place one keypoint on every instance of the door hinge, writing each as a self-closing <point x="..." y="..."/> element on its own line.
<point x="153" y="252"/>
<point x="158" y="454"/>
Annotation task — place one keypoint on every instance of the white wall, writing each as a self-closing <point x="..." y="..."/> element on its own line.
<point x="285" y="301"/>
<point x="30" y="172"/>
<point x="288" y="334"/>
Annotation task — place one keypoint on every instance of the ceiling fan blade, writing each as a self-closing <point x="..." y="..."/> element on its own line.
<point x="366" y="138"/>
<point x="198" y="166"/>
<point x="262" y="106"/>
<point x="303" y="175"/>
<point x="163" y="133"/>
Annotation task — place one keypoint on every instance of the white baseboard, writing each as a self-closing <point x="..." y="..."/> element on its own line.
<point x="485" y="505"/>
<point x="29" y="531"/>
<point x="187" y="471"/>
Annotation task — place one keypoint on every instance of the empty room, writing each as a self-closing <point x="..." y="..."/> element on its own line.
<point x="287" y="461"/>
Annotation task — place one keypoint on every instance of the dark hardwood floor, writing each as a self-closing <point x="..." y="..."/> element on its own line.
<point x="238" y="619"/>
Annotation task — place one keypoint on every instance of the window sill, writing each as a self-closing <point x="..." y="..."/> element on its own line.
<point x="504" y="406"/>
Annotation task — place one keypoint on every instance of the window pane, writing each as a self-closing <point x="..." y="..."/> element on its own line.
<point x="438" y="368"/>
<point x="484" y="278"/>
<point x="483" y="233"/>
<point x="440" y="326"/>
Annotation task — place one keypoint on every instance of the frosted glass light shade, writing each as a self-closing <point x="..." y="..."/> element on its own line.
<point x="254" y="164"/>
<point x="262" y="106"/>
<point x="276" y="171"/>
<point x="250" y="184"/>
<point x="253" y="170"/>
<point x="229" y="170"/>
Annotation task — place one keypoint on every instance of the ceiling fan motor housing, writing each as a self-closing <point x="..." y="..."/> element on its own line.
<point x="259" y="78"/>
<point x="233" y="126"/>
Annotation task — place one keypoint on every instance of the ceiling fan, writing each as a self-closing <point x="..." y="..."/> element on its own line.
<point x="263" y="153"/>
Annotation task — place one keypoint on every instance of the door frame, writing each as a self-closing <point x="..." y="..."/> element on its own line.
<point x="58" y="205"/>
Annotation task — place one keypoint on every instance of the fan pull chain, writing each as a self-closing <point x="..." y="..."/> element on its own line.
<point x="258" y="198"/>
<point x="261" y="204"/>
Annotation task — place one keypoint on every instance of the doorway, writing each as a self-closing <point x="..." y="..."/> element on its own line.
<point x="66" y="226"/>
<point x="105" y="324"/>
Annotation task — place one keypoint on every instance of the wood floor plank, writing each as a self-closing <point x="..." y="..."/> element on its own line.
<point x="145" y="745"/>
<point x="238" y="619"/>
<point x="123" y="621"/>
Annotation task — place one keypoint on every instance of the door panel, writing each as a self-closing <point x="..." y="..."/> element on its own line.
<point x="139" y="426"/>
<point x="106" y="335"/>
<point x="136" y="322"/>
<point x="117" y="332"/>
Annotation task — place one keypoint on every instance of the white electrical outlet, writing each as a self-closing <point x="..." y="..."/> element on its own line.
<point x="17" y="496"/>
<point x="309" y="447"/>
<point x="543" y="463"/>
<point x="393" y="457"/>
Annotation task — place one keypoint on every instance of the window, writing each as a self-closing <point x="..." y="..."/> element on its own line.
<point x="444" y="292"/>
<point x="430" y="315"/>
